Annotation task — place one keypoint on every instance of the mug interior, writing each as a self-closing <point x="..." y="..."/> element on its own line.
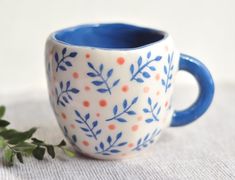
<point x="115" y="36"/>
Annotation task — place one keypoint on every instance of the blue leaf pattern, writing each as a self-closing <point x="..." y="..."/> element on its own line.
<point x="90" y="128"/>
<point x="72" y="139"/>
<point x="166" y="83"/>
<point x="141" y="70"/>
<point x="154" y="110"/>
<point x="148" y="139"/>
<point x="126" y="110"/>
<point x="64" y="61"/>
<point x="64" y="93"/>
<point x="102" y="80"/>
<point x="112" y="145"/>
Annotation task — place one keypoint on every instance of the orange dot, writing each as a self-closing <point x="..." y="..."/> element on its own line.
<point x="140" y="118"/>
<point x="112" y="126"/>
<point x="97" y="114"/>
<point x="75" y="75"/>
<point x="85" y="143"/>
<point x="158" y="93"/>
<point x="86" y="103"/>
<point x="87" y="88"/>
<point x="64" y="116"/>
<point x="88" y="55"/>
<point x="72" y="126"/>
<point x="166" y="103"/>
<point x="157" y="77"/>
<point x="120" y="60"/>
<point x="146" y="89"/>
<point x="130" y="145"/>
<point x="134" y="128"/>
<point x="103" y="103"/>
<point x="125" y="88"/>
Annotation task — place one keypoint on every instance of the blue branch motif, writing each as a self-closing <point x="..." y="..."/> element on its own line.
<point x="117" y="116"/>
<point x="112" y="145"/>
<point x="168" y="72"/>
<point x="141" y="72"/>
<point x="64" y="93"/>
<point x="154" y="110"/>
<point x="148" y="139"/>
<point x="64" y="62"/>
<point x="102" y="79"/>
<point x="89" y="129"/>
<point x="72" y="139"/>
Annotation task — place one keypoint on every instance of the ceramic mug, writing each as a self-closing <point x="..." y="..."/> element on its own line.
<point x="110" y="87"/>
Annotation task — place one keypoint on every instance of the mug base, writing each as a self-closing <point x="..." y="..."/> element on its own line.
<point x="108" y="158"/>
<point x="145" y="154"/>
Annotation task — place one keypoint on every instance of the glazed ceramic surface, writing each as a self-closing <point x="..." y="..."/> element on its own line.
<point x="110" y="87"/>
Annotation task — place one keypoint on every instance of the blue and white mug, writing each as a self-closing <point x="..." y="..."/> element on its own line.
<point x="111" y="85"/>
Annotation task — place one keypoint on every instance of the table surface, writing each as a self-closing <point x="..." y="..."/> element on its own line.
<point x="202" y="150"/>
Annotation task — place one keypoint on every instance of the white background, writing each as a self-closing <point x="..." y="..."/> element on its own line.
<point x="202" y="28"/>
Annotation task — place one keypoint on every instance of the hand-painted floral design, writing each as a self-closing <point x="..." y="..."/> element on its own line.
<point x="154" y="110"/>
<point x="73" y="138"/>
<point x="148" y="139"/>
<point x="112" y="146"/>
<point x="64" y="62"/>
<point x="118" y="116"/>
<point x="88" y="126"/>
<point x="102" y="81"/>
<point x="107" y="107"/>
<point x="64" y="93"/>
<point x="168" y="72"/>
<point x="141" y="71"/>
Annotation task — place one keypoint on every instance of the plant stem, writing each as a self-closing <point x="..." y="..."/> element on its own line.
<point x="140" y="69"/>
<point x="121" y="113"/>
<point x="62" y="59"/>
<point x="90" y="129"/>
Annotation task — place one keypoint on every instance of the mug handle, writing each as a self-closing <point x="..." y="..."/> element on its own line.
<point x="206" y="91"/>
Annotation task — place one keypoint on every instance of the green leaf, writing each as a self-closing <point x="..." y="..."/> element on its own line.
<point x="62" y="143"/>
<point x="2" y="111"/>
<point x="2" y="143"/>
<point x="2" y="129"/>
<point x="14" y="143"/>
<point x="8" y="157"/>
<point x="39" y="153"/>
<point x="4" y="123"/>
<point x="25" y="148"/>
<point x="51" y="151"/>
<point x="37" y="141"/>
<point x="8" y="133"/>
<point x="69" y="152"/>
<point x="22" y="136"/>
<point x="19" y="157"/>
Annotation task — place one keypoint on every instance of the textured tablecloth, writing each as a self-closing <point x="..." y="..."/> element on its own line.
<point x="202" y="150"/>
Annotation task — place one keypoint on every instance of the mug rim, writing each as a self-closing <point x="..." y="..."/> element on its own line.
<point x="53" y="37"/>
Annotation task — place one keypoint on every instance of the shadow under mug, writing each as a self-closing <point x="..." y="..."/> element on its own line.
<point x="110" y="87"/>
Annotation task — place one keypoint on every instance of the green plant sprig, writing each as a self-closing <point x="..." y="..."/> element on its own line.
<point x="17" y="144"/>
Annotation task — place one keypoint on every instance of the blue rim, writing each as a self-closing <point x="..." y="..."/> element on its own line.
<point x="60" y="35"/>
